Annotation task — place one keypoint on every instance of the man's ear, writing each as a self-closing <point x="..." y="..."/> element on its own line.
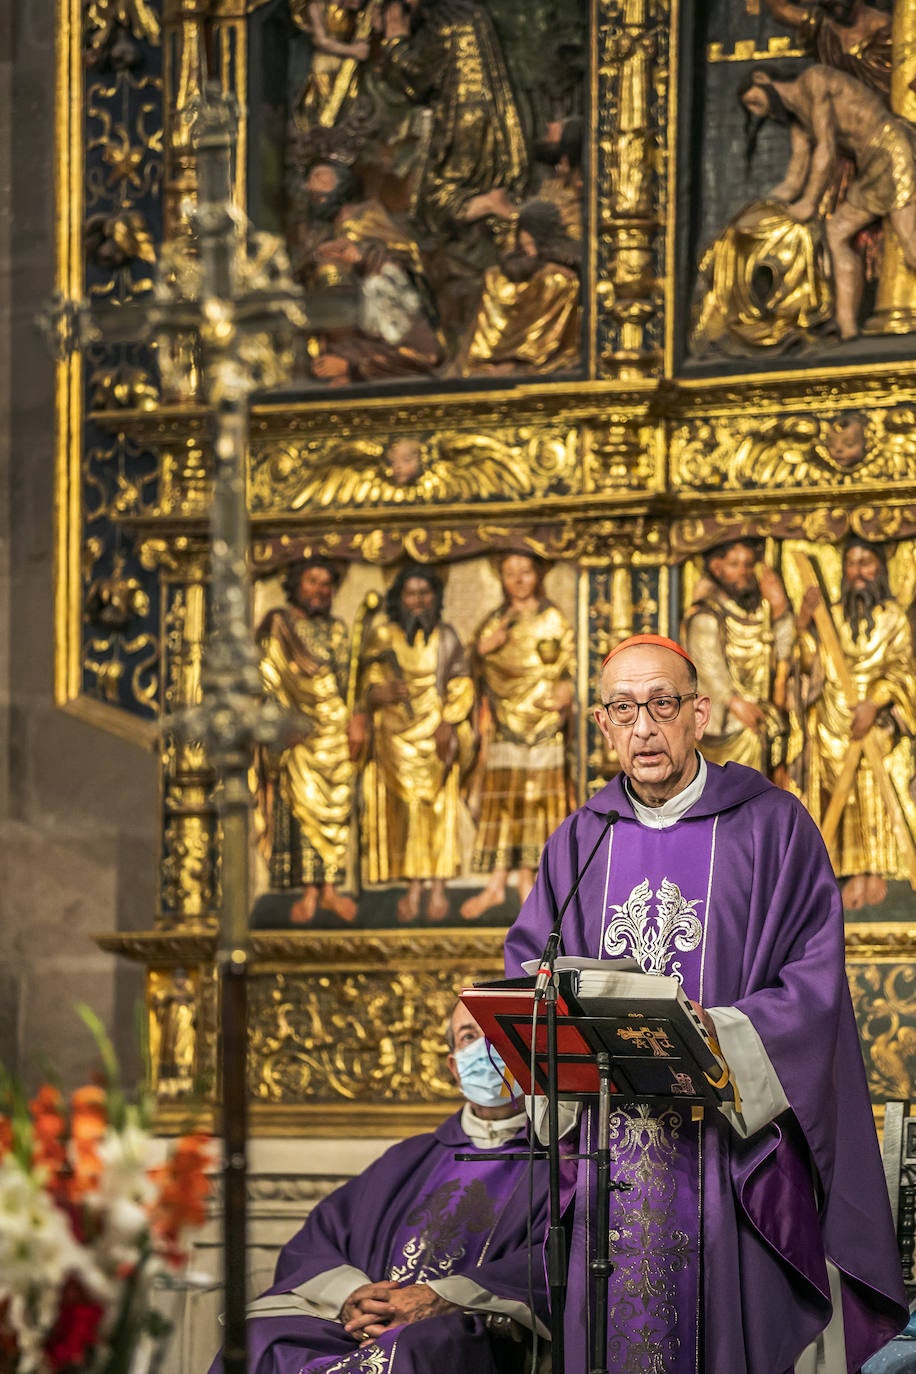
<point x="453" y="1068"/>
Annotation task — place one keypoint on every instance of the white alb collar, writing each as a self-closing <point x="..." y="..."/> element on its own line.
<point x="489" y="1134"/>
<point x="661" y="817"/>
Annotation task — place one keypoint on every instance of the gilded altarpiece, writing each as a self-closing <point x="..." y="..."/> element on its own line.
<point x="624" y="346"/>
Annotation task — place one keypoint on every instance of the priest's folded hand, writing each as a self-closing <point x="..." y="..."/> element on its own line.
<point x="379" y="1306"/>
<point x="371" y="1301"/>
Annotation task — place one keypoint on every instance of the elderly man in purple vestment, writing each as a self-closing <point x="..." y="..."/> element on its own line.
<point x="419" y="1264"/>
<point x="758" y="1243"/>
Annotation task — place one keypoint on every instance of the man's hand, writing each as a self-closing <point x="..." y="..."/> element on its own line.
<point x="772" y="588"/>
<point x="810" y="602"/>
<point x="357" y="735"/>
<point x="748" y="712"/>
<point x="863" y="719"/>
<point x="706" y="1019"/>
<point x="331" y="368"/>
<point x="387" y="693"/>
<point x="446" y="743"/>
<point x="412" y="1303"/>
<point x="370" y="1302"/>
<point x="801" y="211"/>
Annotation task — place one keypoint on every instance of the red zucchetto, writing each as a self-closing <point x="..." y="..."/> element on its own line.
<point x="659" y="641"/>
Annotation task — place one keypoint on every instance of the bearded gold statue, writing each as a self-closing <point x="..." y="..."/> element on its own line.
<point x="419" y="695"/>
<point x="529" y="317"/>
<point x="859" y="691"/>
<point x="740" y="633"/>
<point x="305" y="792"/>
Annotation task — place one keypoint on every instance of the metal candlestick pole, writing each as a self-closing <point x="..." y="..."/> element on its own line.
<point x="229" y="290"/>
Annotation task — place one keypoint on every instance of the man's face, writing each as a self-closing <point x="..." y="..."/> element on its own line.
<point x="755" y="100"/>
<point x="734" y="570"/>
<point x="315" y="591"/>
<point x="860" y="568"/>
<point x="842" y="12"/>
<point x="657" y="757"/>
<point x="465" y="1031"/>
<point x="519" y="577"/>
<point x="321" y="181"/>
<point x="418" y="597"/>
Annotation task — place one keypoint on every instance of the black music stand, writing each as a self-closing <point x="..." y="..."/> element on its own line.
<point x="574" y="1055"/>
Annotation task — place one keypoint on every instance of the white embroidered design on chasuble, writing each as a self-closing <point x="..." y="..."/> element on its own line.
<point x="653" y="935"/>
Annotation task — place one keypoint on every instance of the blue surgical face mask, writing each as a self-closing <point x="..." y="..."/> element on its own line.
<point x="484" y="1077"/>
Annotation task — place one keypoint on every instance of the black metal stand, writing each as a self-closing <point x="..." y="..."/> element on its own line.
<point x="600" y="1265"/>
<point x="556" y="1235"/>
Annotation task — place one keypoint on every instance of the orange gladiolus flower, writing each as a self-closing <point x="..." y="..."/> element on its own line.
<point x="183" y="1190"/>
<point x="6" y="1135"/>
<point x="48" y="1132"/>
<point x="88" y="1123"/>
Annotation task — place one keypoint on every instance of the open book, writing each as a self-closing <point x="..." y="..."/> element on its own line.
<point x="657" y="1042"/>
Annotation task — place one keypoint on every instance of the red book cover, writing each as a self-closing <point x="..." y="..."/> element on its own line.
<point x="504" y="1015"/>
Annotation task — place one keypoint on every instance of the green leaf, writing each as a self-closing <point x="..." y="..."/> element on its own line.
<point x="117" y="1106"/>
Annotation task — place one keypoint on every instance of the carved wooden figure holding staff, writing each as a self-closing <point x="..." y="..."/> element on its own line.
<point x="860" y="691"/>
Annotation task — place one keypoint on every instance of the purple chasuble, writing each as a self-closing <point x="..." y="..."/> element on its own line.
<point x="415" y="1214"/>
<point x="739" y="900"/>
<point x="657" y="894"/>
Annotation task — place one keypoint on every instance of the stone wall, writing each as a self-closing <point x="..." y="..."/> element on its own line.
<point x="78" y="808"/>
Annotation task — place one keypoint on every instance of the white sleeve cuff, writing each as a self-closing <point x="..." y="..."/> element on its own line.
<point x="322" y="1296"/>
<point x="762" y="1095"/>
<point x="469" y="1296"/>
<point x="567" y="1116"/>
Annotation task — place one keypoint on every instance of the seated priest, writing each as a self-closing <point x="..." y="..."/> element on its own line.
<point x="421" y="1262"/>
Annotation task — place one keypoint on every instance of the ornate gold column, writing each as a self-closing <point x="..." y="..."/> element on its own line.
<point x="895" y="304"/>
<point x="631" y="86"/>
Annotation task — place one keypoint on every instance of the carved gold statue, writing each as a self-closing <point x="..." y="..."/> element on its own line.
<point x="419" y="694"/>
<point x="345" y="242"/>
<point x="859" y="692"/>
<point x="305" y="793"/>
<point x="740" y="633"/>
<point x="766" y="284"/>
<point x="826" y="111"/>
<point x="339" y="37"/>
<point x="474" y="160"/>
<point x="525" y="659"/>
<point x="846" y="34"/>
<point x="528" y="319"/>
<point x="173" y="1032"/>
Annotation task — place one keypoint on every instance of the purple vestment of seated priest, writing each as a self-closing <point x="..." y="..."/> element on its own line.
<point x="724" y="1245"/>
<point x="417" y="1215"/>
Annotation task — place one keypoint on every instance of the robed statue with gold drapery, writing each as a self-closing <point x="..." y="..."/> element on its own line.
<point x="858" y="688"/>
<point x="740" y="632"/>
<point x="524" y="659"/>
<point x="528" y="318"/>
<point x="418" y="692"/>
<point x="305" y="792"/>
<point x="473" y="160"/>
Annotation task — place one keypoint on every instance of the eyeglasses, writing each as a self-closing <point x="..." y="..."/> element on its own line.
<point x="660" y="708"/>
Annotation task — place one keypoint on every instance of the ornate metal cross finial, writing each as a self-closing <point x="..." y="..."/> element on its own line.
<point x="225" y="308"/>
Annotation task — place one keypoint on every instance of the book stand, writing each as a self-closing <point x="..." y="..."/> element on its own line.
<point x="573" y="1057"/>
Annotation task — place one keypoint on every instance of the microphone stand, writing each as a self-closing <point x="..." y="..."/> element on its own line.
<point x="545" y="989"/>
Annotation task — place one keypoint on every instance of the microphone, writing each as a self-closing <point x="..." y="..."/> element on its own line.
<point x="545" y="972"/>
